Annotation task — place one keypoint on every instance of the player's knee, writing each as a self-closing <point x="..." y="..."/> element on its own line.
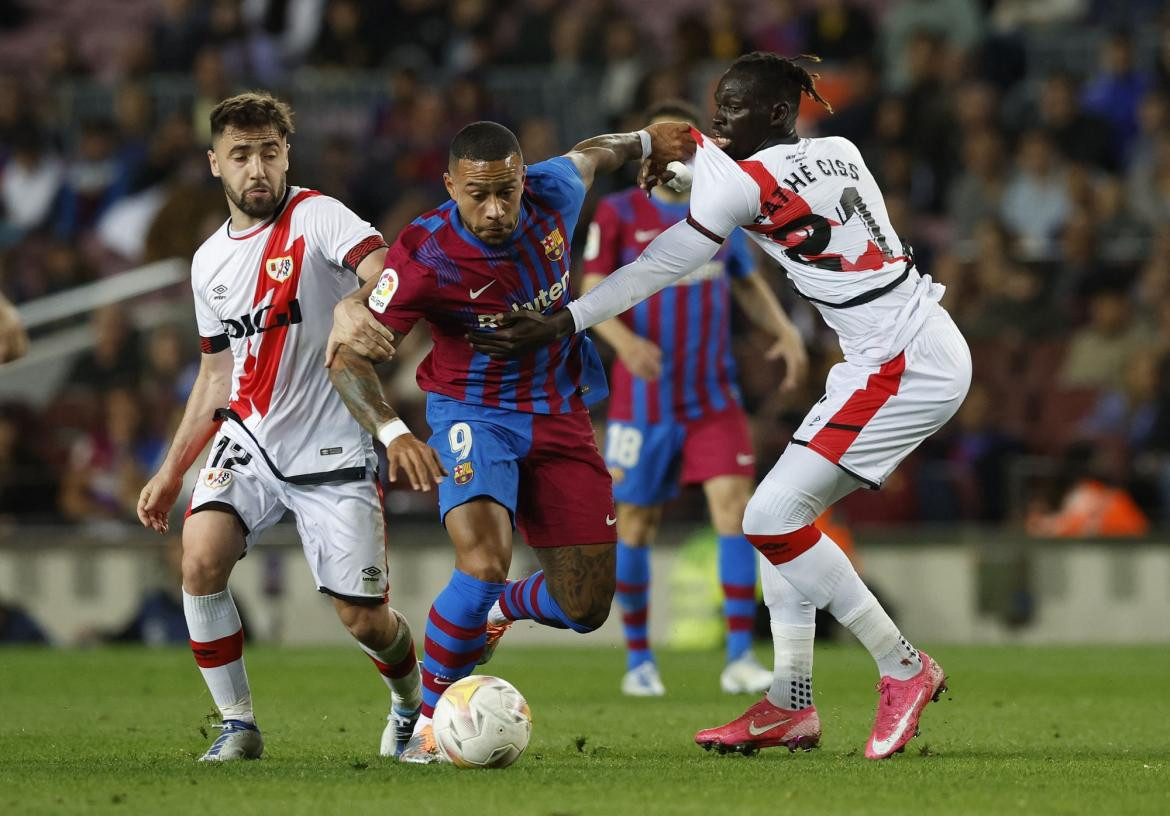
<point x="484" y="566"/>
<point x="637" y="526"/>
<point x="204" y="572"/>
<point x="588" y="612"/>
<point x="369" y="625"/>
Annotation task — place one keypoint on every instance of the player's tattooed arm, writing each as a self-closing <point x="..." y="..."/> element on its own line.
<point x="354" y="378"/>
<point x="355" y="326"/>
<point x="669" y="141"/>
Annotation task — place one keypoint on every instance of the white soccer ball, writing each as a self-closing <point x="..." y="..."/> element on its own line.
<point x="482" y="722"/>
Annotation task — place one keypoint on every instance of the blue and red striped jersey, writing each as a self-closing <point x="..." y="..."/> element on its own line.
<point x="439" y="271"/>
<point x="690" y="321"/>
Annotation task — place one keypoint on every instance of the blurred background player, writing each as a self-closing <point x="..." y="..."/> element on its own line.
<point x="265" y="287"/>
<point x="516" y="435"/>
<point x="814" y="207"/>
<point x="675" y="414"/>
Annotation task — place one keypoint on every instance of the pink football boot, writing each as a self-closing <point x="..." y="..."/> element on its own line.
<point x="764" y="726"/>
<point x="900" y="704"/>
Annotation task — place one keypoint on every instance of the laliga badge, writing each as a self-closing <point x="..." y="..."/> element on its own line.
<point x="217" y="478"/>
<point x="463" y="473"/>
<point x="280" y="269"/>
<point x="384" y="292"/>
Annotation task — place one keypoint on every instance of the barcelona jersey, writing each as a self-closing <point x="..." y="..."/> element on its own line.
<point x="439" y="271"/>
<point x="690" y="321"/>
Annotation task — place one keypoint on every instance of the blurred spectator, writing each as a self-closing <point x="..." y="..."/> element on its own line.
<point x="1099" y="352"/>
<point x="108" y="467"/>
<point x="957" y="22"/>
<point x="95" y="178"/>
<point x="178" y="34"/>
<point x="27" y="486"/>
<point x="1036" y="199"/>
<point x="344" y="42"/>
<point x="623" y="67"/>
<point x="1128" y="413"/>
<point x="976" y="195"/>
<point x="980" y="453"/>
<point x="115" y="359"/>
<point x="1117" y="89"/>
<point x="1093" y="505"/>
<point x="30" y="181"/>
<point x="1080" y="136"/>
<point x="777" y="27"/>
<point x="18" y="628"/>
<point x="838" y="30"/>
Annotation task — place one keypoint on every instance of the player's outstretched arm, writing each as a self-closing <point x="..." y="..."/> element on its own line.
<point x="760" y="304"/>
<point x="664" y="142"/>
<point x="356" y="381"/>
<point x="212" y="388"/>
<point x="676" y="252"/>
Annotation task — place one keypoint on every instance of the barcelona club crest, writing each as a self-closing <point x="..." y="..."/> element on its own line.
<point x="554" y="245"/>
<point x="463" y="473"/>
<point x="280" y="269"/>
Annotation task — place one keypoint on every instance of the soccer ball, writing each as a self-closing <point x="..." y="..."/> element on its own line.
<point x="482" y="722"/>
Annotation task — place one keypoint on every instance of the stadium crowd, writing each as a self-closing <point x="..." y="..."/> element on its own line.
<point x="1027" y="160"/>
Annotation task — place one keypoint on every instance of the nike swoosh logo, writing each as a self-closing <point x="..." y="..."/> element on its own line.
<point x="883" y="746"/>
<point x="744" y="459"/>
<point x="642" y="236"/>
<point x="475" y="293"/>
<point x="763" y="729"/>
<point x="610" y="520"/>
<point x="441" y="682"/>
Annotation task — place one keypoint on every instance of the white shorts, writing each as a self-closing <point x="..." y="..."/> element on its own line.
<point x="342" y="529"/>
<point x="872" y="417"/>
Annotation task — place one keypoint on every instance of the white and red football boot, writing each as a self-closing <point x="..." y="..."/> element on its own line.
<point x="900" y="704"/>
<point x="764" y="726"/>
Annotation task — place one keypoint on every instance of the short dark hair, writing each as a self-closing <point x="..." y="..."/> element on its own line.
<point x="484" y="141"/>
<point x="679" y="108"/>
<point x="254" y="109"/>
<point x="782" y="77"/>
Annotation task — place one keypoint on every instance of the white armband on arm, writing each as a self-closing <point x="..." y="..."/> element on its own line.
<point x="673" y="254"/>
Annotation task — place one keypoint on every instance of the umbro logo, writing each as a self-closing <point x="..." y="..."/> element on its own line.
<point x="220" y="292"/>
<point x="373" y="572"/>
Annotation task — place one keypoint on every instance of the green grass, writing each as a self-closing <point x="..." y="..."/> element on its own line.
<point x="1024" y="730"/>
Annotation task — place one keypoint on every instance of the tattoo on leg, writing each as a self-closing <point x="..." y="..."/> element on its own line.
<point x="580" y="578"/>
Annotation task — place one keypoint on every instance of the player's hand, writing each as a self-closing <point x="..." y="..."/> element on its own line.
<point x="669" y="141"/>
<point x="156" y="500"/>
<point x="13" y="338"/>
<point x="521" y="332"/>
<point x="418" y="460"/>
<point x="354" y="326"/>
<point x="642" y="357"/>
<point x="790" y="348"/>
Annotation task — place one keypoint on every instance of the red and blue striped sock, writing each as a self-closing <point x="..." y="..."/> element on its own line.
<point x="633" y="594"/>
<point x="737" y="573"/>
<point x="530" y="600"/>
<point x="455" y="634"/>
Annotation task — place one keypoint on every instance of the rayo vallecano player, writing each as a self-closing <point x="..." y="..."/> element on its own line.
<point x="815" y="208"/>
<point x="265" y="286"/>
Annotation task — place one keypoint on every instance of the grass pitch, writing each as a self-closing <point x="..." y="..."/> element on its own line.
<point x="1024" y="730"/>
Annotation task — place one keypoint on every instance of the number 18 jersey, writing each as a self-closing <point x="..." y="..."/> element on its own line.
<point x="815" y="208"/>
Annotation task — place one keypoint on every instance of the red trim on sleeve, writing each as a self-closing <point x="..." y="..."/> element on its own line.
<point x="211" y="345"/>
<point x="706" y="233"/>
<point x="362" y="250"/>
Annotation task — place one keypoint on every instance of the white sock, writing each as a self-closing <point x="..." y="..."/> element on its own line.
<point x="824" y="574"/>
<point x="398" y="665"/>
<point x="496" y="615"/>
<point x="793" y="621"/>
<point x="894" y="655"/>
<point x="423" y="722"/>
<point x="217" y="641"/>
